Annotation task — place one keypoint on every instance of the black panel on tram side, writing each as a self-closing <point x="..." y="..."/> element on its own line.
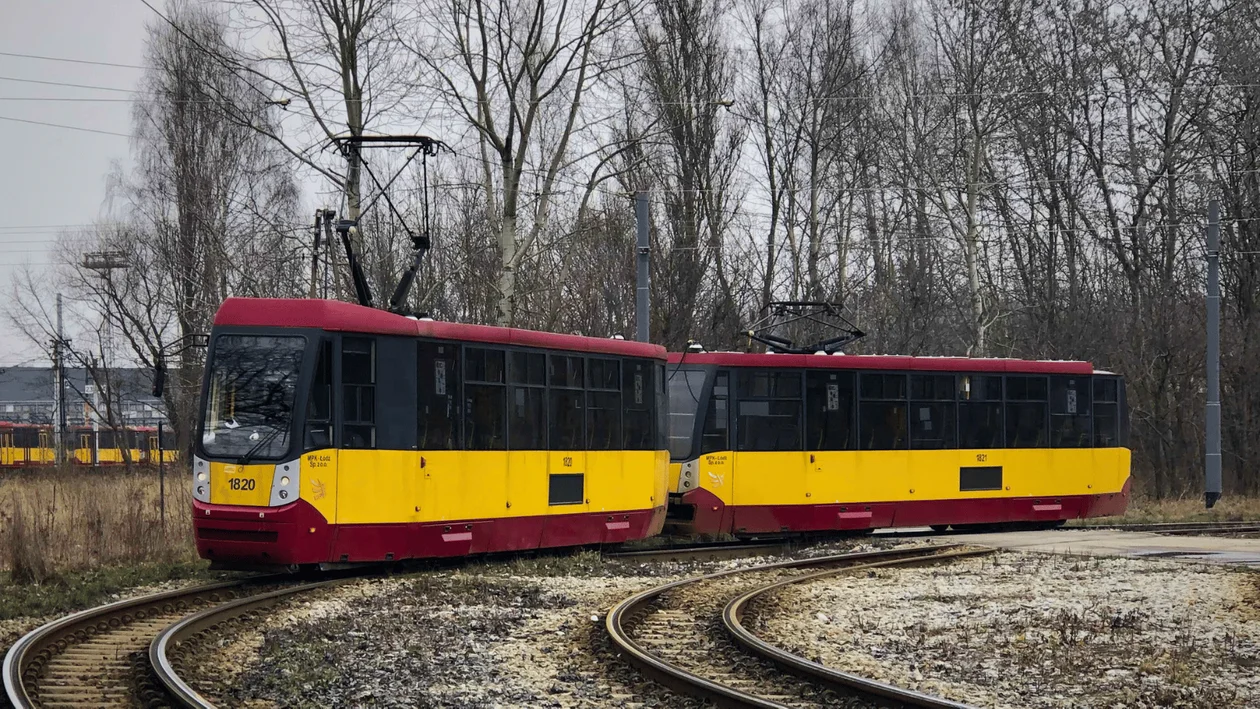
<point x="1070" y="419"/>
<point x="396" y="393"/>
<point x="565" y="489"/>
<point x="830" y="402"/>
<point x="716" y="419"/>
<point x="986" y="477"/>
<point x="438" y="410"/>
<point x="932" y="412"/>
<point x="1027" y="425"/>
<point x="485" y="399"/>
<point x="769" y="409"/>
<point x="883" y="413"/>
<point x="358" y="392"/>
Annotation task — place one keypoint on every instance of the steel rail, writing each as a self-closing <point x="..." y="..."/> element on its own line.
<point x="690" y="552"/>
<point x="686" y="682"/>
<point x="169" y="638"/>
<point x="28" y="656"/>
<point x="732" y="617"/>
<point x="1169" y="526"/>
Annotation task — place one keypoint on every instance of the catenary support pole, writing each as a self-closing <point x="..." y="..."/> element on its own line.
<point x="1212" y="489"/>
<point x="162" y="475"/>
<point x="60" y="376"/>
<point x="642" y="310"/>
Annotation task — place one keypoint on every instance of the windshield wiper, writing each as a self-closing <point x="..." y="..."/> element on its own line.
<point x="249" y="455"/>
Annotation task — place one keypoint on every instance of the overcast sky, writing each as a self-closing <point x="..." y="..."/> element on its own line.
<point x="54" y="178"/>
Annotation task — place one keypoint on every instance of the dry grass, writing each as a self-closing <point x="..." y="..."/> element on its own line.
<point x="1190" y="509"/>
<point x="60" y="522"/>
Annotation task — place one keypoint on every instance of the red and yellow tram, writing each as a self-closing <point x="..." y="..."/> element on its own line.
<point x="768" y="443"/>
<point x="335" y="433"/>
<point x="28" y="445"/>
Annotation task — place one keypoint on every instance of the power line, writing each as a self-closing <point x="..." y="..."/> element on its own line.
<point x="62" y="83"/>
<point x="65" y="127"/>
<point x="69" y="61"/>
<point x="50" y="98"/>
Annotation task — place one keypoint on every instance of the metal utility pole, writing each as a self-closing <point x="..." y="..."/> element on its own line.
<point x="1212" y="489"/>
<point x="59" y="396"/>
<point x="642" y="294"/>
<point x="162" y="474"/>
<point x="319" y="216"/>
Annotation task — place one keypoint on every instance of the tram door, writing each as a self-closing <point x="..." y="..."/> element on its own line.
<point x="45" y="447"/>
<point x="830" y="435"/>
<point x="88" y="454"/>
<point x="8" y="454"/>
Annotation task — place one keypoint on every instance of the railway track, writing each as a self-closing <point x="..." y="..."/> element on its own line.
<point x="702" y="551"/>
<point x="169" y="648"/>
<point x="101" y="657"/>
<point x="1185" y="528"/>
<point x="688" y="636"/>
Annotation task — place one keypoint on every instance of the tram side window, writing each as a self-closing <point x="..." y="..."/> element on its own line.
<point x="932" y="411"/>
<point x="437" y="380"/>
<point x="358" y="390"/>
<point x="715" y="436"/>
<point x="660" y="404"/>
<point x="1106" y="412"/>
<point x="566" y="402"/>
<point x="1026" y="425"/>
<point x="686" y="386"/>
<point x="527" y="401"/>
<point x="1069" y="412"/>
<point x="603" y="404"/>
<point x="638" y="394"/>
<point x="769" y="410"/>
<point x="882" y="411"/>
<point x="319" y="406"/>
<point x="485" y="400"/>
<point x="980" y="411"/>
<point x="829" y="400"/>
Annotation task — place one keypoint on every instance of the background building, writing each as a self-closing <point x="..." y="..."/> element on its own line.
<point x="28" y="395"/>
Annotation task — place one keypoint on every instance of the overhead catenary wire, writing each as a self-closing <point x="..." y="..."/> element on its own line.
<point x="91" y="87"/>
<point x="43" y="57"/>
<point x="63" y="126"/>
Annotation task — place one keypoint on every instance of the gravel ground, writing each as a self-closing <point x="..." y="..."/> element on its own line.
<point x="526" y="633"/>
<point x="1031" y="630"/>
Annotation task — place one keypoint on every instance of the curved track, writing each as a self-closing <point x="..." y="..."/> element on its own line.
<point x="96" y="657"/>
<point x="675" y="634"/>
<point x="164" y="655"/>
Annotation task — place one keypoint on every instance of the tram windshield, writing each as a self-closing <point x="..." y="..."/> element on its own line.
<point x="249" y="407"/>
<point x="685" y="387"/>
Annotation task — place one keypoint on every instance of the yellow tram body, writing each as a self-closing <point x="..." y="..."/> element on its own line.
<point x="803" y="487"/>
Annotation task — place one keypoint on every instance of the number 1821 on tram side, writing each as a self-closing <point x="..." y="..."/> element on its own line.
<point x="767" y="443"/>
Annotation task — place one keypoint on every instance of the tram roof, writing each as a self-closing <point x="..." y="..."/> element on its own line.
<point x="893" y="362"/>
<point x="348" y="317"/>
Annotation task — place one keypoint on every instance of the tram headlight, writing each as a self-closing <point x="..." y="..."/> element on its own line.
<point x="285" y="483"/>
<point x="201" y="490"/>
<point x="201" y="477"/>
